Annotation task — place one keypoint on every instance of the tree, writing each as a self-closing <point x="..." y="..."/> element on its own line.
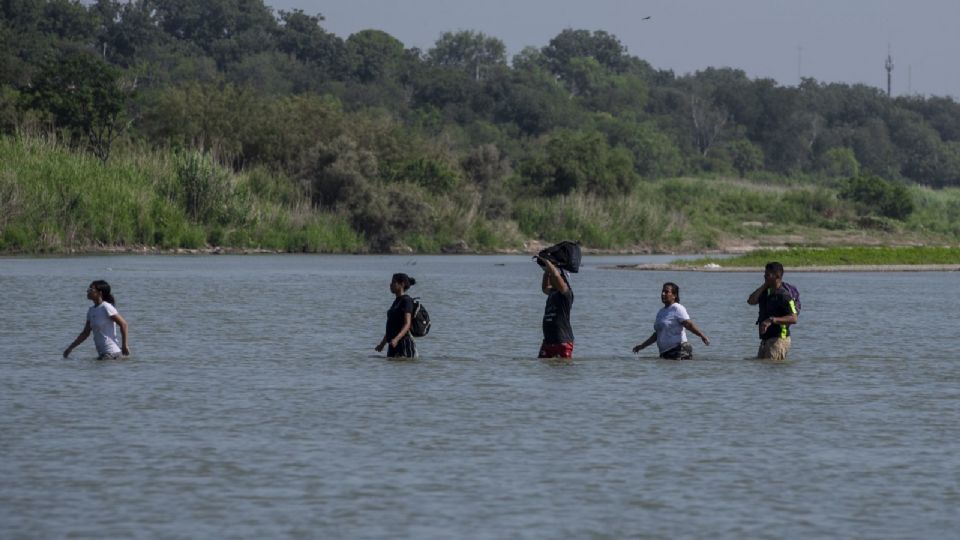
<point x="531" y="100"/>
<point x="708" y="122"/>
<point x="919" y="146"/>
<point x="224" y="29"/>
<point x="581" y="161"/>
<point x="84" y="95"/>
<point x="127" y="31"/>
<point x="655" y="155"/>
<point x="839" y="163"/>
<point x="472" y="52"/>
<point x="745" y="156"/>
<point x="374" y="56"/>
<point x="605" y="48"/>
<point x="301" y="36"/>
<point x="68" y="20"/>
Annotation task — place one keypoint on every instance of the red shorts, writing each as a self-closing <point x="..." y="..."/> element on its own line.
<point x="556" y="350"/>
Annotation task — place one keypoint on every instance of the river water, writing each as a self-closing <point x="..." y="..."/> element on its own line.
<point x="255" y="406"/>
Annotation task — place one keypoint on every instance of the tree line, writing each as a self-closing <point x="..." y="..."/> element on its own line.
<point x="365" y="125"/>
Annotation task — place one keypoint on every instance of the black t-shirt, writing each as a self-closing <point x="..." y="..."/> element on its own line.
<point x="395" y="318"/>
<point x="556" y="318"/>
<point x="776" y="304"/>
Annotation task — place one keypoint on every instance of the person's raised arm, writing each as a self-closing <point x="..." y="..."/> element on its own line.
<point x="552" y="274"/>
<point x="84" y="334"/>
<point x="754" y="297"/>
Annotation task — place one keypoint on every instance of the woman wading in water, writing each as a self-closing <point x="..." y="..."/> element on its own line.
<point x="399" y="320"/>
<point x="670" y="326"/>
<point x="102" y="322"/>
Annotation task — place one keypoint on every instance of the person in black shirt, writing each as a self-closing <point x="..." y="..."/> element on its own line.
<point x="777" y="312"/>
<point x="557" y="333"/>
<point x="399" y="319"/>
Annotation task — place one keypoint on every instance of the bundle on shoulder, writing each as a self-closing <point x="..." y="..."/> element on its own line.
<point x="565" y="255"/>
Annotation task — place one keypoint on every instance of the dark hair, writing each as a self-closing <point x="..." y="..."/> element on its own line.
<point x="104" y="288"/>
<point x="404" y="280"/>
<point x="774" y="268"/>
<point x="674" y="288"/>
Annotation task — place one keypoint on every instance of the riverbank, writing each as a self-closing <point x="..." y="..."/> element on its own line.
<point x="829" y="259"/>
<point x="56" y="201"/>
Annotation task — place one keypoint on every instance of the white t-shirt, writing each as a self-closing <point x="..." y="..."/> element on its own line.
<point x="103" y="328"/>
<point x="669" y="327"/>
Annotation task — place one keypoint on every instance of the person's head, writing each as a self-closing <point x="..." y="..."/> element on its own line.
<point x="99" y="291"/>
<point x="772" y="273"/>
<point x="670" y="293"/>
<point x="400" y="283"/>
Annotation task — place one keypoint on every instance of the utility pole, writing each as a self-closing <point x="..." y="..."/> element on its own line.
<point x="799" y="64"/>
<point x="889" y="66"/>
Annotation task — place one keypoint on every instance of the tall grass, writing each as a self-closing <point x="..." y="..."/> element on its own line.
<point x="935" y="211"/>
<point x="53" y="199"/>
<point x="683" y="214"/>
<point x="56" y="200"/>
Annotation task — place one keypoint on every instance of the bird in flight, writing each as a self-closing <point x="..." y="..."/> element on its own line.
<point x="647" y="18"/>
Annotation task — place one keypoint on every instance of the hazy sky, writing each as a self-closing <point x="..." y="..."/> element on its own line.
<point x="829" y="40"/>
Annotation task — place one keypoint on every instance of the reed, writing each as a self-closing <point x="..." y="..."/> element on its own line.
<point x="55" y="200"/>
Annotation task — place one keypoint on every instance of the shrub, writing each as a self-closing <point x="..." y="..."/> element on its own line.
<point x="206" y="191"/>
<point x="873" y="194"/>
<point x="839" y="163"/>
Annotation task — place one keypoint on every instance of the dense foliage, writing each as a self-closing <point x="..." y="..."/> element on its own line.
<point x="390" y="137"/>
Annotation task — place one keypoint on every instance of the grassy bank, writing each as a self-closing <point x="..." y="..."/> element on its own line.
<point x="840" y="256"/>
<point x="55" y="200"/>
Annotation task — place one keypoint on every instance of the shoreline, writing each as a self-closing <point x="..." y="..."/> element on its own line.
<point x="792" y="270"/>
<point x="529" y="248"/>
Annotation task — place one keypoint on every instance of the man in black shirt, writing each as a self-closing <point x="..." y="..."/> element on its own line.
<point x="777" y="312"/>
<point x="557" y="333"/>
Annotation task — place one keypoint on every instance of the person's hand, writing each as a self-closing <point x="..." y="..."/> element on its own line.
<point x="706" y="340"/>
<point x="764" y="325"/>
<point x="125" y="350"/>
<point x="379" y="347"/>
<point x="394" y="342"/>
<point x="547" y="264"/>
<point x="638" y="348"/>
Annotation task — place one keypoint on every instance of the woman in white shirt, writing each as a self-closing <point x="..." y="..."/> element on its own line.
<point x="102" y="322"/>
<point x="669" y="329"/>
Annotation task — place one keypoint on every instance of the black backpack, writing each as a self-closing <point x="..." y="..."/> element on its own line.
<point x="566" y="255"/>
<point x="420" y="323"/>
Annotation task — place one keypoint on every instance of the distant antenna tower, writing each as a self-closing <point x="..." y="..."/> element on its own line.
<point x="889" y="66"/>
<point x="799" y="64"/>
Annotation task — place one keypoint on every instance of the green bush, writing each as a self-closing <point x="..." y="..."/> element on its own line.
<point x="203" y="188"/>
<point x="875" y="195"/>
